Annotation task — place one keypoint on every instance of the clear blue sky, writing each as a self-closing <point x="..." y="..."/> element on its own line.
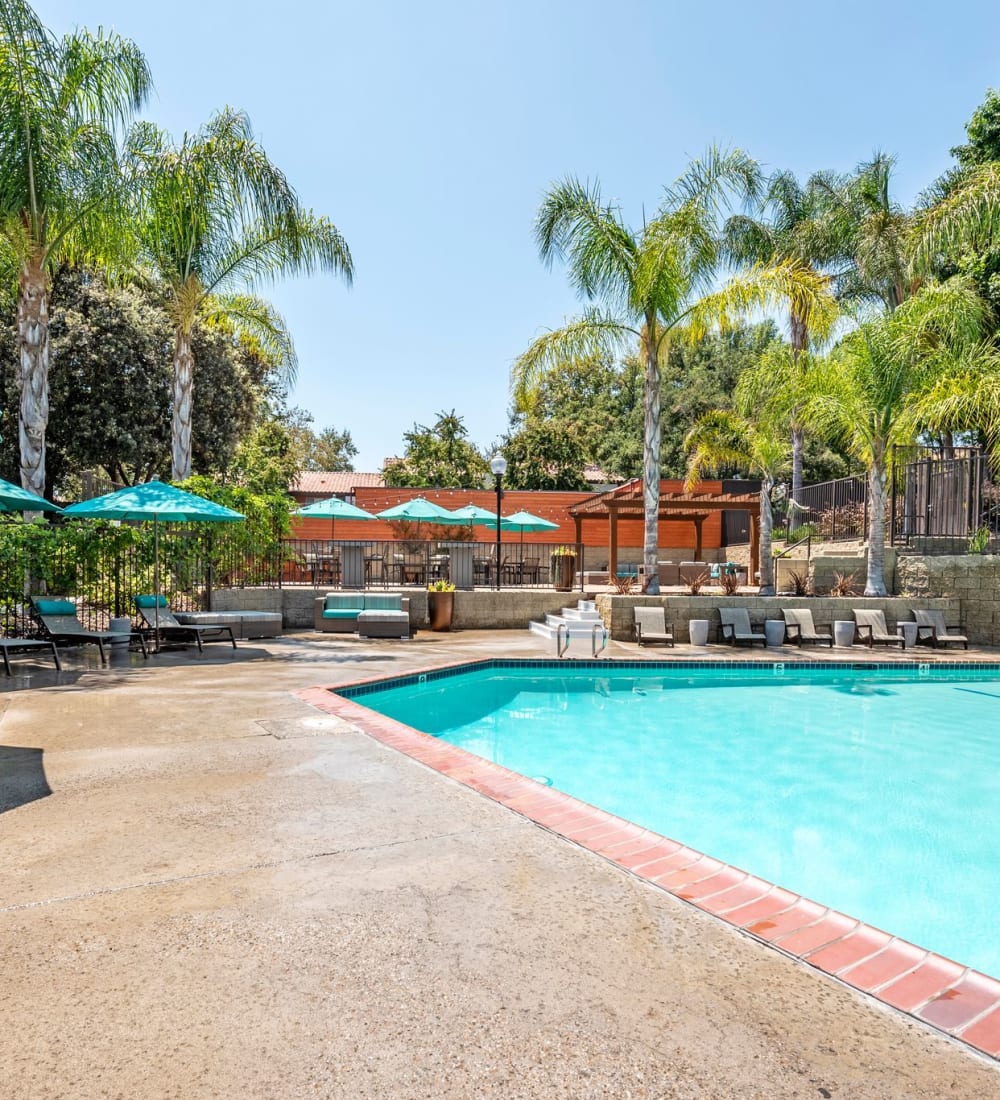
<point x="429" y="132"/>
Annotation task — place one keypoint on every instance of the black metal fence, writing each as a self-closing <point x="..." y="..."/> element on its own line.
<point x="103" y="566"/>
<point x="937" y="499"/>
<point x="330" y="563"/>
<point x="835" y="511"/>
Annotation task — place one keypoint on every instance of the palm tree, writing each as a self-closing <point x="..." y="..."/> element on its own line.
<point x="216" y="219"/>
<point x="786" y="224"/>
<point x="62" y="105"/>
<point x="653" y="284"/>
<point x="922" y="367"/>
<point x="723" y="440"/>
<point x="862" y="223"/>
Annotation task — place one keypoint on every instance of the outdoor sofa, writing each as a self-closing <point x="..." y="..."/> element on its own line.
<point x="369" y="614"/>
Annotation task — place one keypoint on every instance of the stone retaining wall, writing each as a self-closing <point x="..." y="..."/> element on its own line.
<point x="510" y="609"/>
<point x="970" y="580"/>
<point x="616" y="611"/>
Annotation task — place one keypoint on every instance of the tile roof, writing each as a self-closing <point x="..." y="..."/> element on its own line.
<point x="330" y="482"/>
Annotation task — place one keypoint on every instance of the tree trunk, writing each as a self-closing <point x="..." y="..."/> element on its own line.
<point x="875" y="582"/>
<point x="33" y="353"/>
<point x="651" y="458"/>
<point x="180" y="426"/>
<point x="800" y="343"/>
<point x="765" y="563"/>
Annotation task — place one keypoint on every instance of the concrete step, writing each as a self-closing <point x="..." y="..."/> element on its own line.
<point x="577" y="614"/>
<point x="553" y="622"/>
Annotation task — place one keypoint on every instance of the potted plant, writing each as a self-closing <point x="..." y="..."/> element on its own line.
<point x="440" y="604"/>
<point x="562" y="568"/>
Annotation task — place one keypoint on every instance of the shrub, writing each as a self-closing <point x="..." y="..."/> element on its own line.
<point x="696" y="584"/>
<point x="623" y="585"/>
<point x="730" y="583"/>
<point x="844" y="585"/>
<point x="801" y="584"/>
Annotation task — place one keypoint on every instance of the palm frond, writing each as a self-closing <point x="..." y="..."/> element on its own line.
<point x="968" y="219"/>
<point x="595" y="334"/>
<point x="257" y="322"/>
<point x="803" y="290"/>
<point x="574" y="224"/>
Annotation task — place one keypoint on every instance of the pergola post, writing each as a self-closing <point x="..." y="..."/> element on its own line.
<point x="698" y="521"/>
<point x="612" y="544"/>
<point x="754" y="546"/>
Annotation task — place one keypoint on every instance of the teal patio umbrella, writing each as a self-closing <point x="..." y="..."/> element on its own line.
<point x="419" y="510"/>
<point x="525" y="521"/>
<point x="15" y="499"/>
<point x="154" y="501"/>
<point x="333" y="508"/>
<point x="475" y="516"/>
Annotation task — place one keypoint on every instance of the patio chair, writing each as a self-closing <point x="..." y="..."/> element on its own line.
<point x="932" y="630"/>
<point x="871" y="628"/>
<point x="62" y="626"/>
<point x="800" y="629"/>
<point x="736" y="627"/>
<point x="651" y="626"/>
<point x="10" y="645"/>
<point x="159" y="621"/>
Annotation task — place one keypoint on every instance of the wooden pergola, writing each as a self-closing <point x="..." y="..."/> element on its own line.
<point x="625" y="502"/>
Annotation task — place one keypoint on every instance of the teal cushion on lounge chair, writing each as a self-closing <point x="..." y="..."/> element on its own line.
<point x="55" y="607"/>
<point x="341" y="613"/>
<point x="151" y="601"/>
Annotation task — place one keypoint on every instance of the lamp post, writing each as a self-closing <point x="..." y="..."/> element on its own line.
<point x="499" y="467"/>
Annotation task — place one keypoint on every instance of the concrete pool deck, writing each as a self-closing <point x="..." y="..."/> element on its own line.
<point x="208" y="888"/>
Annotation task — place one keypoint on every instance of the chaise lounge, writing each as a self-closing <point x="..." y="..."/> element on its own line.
<point x="651" y="626"/>
<point x="932" y="630"/>
<point x="62" y="626"/>
<point x="17" y="645"/>
<point x="800" y="629"/>
<point x="160" y="621"/>
<point x="736" y="627"/>
<point x="871" y="628"/>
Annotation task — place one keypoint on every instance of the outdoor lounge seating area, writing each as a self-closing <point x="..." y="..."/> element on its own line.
<point x="370" y="615"/>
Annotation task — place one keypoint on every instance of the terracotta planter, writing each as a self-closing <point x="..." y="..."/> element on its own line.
<point x="441" y="609"/>
<point x="562" y="571"/>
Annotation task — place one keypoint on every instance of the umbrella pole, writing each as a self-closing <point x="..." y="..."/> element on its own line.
<point x="156" y="582"/>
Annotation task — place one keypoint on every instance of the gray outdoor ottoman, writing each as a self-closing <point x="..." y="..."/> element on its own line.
<point x="383" y="624"/>
<point x="245" y="624"/>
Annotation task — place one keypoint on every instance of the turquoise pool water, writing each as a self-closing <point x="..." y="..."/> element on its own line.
<point x="874" y="792"/>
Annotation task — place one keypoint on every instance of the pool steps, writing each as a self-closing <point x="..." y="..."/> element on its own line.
<point x="571" y="623"/>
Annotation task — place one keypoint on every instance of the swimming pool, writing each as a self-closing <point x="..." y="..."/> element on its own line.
<point x="872" y="790"/>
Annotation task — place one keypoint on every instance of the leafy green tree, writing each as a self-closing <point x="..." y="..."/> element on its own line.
<point x="216" y="219"/>
<point x="62" y="104"/>
<point x="728" y="440"/>
<point x="332" y="450"/>
<point x="110" y="396"/>
<point x="921" y="367"/>
<point x="974" y="250"/>
<point x="439" y="457"/>
<point x="654" y="284"/>
<point x="544" y="455"/>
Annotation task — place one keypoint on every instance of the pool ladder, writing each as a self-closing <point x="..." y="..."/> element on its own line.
<point x="562" y="646"/>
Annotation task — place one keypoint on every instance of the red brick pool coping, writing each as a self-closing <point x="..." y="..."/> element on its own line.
<point x="961" y="1002"/>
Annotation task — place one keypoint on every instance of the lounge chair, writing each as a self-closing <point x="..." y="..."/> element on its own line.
<point x="651" y="626"/>
<point x="931" y="630"/>
<point x="161" y="623"/>
<point x="871" y="628"/>
<point x="800" y="629"/>
<point x="62" y="626"/>
<point x="736" y="627"/>
<point x="15" y="645"/>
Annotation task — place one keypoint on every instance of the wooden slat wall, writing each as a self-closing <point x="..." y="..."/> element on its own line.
<point x="553" y="506"/>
